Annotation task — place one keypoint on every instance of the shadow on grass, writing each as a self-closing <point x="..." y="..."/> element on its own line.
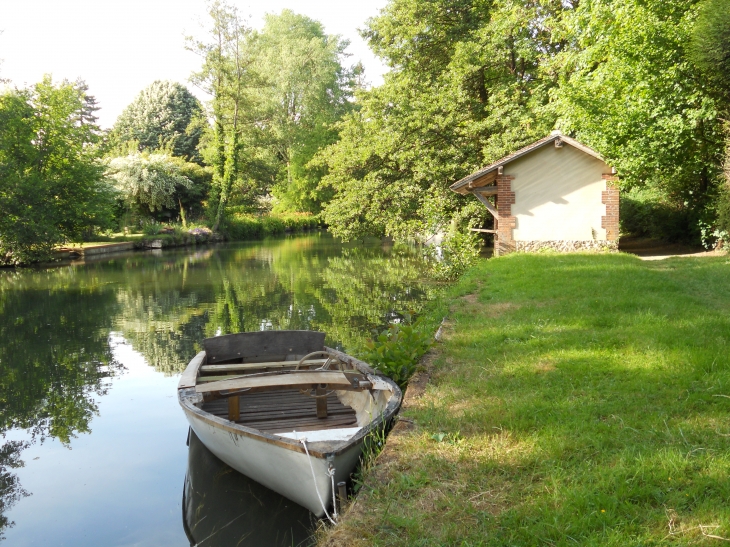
<point x="592" y="410"/>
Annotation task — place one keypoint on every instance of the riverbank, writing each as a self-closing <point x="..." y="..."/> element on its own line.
<point x="573" y="400"/>
<point x="238" y="227"/>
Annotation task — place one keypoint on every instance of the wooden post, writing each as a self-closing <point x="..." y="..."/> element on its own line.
<point x="234" y="408"/>
<point x="321" y="401"/>
<point x="341" y="494"/>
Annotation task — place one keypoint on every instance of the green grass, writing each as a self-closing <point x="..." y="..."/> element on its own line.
<point x="577" y="400"/>
<point x="107" y="240"/>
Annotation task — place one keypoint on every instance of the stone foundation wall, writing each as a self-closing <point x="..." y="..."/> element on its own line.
<point x="566" y="246"/>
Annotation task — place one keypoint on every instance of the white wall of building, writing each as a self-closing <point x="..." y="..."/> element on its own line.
<point x="558" y="195"/>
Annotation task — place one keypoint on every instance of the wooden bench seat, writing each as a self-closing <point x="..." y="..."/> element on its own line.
<point x="334" y="379"/>
<point x="253" y="366"/>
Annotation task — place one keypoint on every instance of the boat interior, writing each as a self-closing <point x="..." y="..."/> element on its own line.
<point x="286" y="403"/>
<point x="285" y="410"/>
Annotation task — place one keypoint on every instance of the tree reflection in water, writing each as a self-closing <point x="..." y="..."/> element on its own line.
<point x="54" y="358"/>
<point x="55" y="327"/>
<point x="10" y="489"/>
<point x="312" y="283"/>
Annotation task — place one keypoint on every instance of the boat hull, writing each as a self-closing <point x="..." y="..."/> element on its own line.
<point x="285" y="471"/>
<point x="263" y="443"/>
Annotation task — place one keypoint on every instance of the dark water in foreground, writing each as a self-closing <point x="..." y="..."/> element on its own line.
<point x="93" y="448"/>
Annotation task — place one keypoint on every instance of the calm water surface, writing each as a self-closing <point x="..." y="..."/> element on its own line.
<point x="94" y="448"/>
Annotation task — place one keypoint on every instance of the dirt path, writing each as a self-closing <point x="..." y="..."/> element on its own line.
<point x="652" y="249"/>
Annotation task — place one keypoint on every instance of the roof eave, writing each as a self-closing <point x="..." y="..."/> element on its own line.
<point x="460" y="184"/>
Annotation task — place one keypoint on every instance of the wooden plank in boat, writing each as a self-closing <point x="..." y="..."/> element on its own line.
<point x="234" y="409"/>
<point x="262" y="343"/>
<point x="187" y="379"/>
<point x="310" y="406"/>
<point x="250" y="366"/>
<point x="303" y="378"/>
<point x="274" y="399"/>
<point x="246" y="402"/>
<point x="282" y="394"/>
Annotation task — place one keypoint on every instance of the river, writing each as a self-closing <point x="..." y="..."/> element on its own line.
<point x="95" y="450"/>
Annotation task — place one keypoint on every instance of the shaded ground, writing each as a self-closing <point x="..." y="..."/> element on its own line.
<point x="654" y="249"/>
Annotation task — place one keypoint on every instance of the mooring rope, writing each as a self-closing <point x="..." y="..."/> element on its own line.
<point x="331" y="473"/>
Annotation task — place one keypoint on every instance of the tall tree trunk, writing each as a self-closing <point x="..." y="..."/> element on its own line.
<point x="182" y="214"/>
<point x="219" y="175"/>
<point x="229" y="176"/>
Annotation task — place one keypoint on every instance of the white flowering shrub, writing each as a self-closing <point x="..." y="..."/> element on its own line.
<point x="147" y="180"/>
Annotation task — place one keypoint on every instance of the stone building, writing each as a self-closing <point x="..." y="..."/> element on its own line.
<point x="553" y="194"/>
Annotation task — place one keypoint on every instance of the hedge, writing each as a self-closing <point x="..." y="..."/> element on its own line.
<point x="240" y="226"/>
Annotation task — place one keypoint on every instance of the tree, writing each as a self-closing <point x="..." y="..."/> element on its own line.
<point x="164" y="115"/>
<point x="710" y="52"/>
<point x="631" y="92"/>
<point x="306" y="90"/>
<point x="149" y="181"/>
<point x="51" y="184"/>
<point x="225" y="76"/>
<point x="474" y="80"/>
<point x="710" y="48"/>
<point x="466" y="87"/>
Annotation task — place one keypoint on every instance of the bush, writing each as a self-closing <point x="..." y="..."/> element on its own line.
<point x="459" y="251"/>
<point x="397" y="350"/>
<point x="239" y="226"/>
<point x="645" y="215"/>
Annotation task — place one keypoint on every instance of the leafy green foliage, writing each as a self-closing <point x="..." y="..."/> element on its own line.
<point x="397" y="350"/>
<point x="646" y="213"/>
<point x="459" y="251"/>
<point x="305" y="90"/>
<point x="723" y="201"/>
<point x="631" y="92"/>
<point x="710" y="48"/>
<point x="466" y="88"/>
<point x="472" y="81"/>
<point x="276" y="94"/>
<point x="51" y="184"/>
<point x="227" y="78"/>
<point x="164" y="116"/>
<point x="242" y="225"/>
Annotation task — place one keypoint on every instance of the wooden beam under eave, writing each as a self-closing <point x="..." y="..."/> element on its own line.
<point x="484" y="180"/>
<point x="487" y="190"/>
<point x="488" y="204"/>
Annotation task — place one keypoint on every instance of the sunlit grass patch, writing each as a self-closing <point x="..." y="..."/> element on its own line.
<point x="577" y="400"/>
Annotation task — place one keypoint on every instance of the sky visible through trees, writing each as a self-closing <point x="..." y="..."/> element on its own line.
<point x="136" y="42"/>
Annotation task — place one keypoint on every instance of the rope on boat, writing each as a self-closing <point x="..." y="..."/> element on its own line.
<point x="330" y="358"/>
<point x="331" y="473"/>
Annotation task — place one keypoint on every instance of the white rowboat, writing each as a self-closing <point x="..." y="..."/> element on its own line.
<point x="284" y="410"/>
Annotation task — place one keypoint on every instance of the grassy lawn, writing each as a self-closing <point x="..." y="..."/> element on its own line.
<point x="114" y="238"/>
<point x="576" y="400"/>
